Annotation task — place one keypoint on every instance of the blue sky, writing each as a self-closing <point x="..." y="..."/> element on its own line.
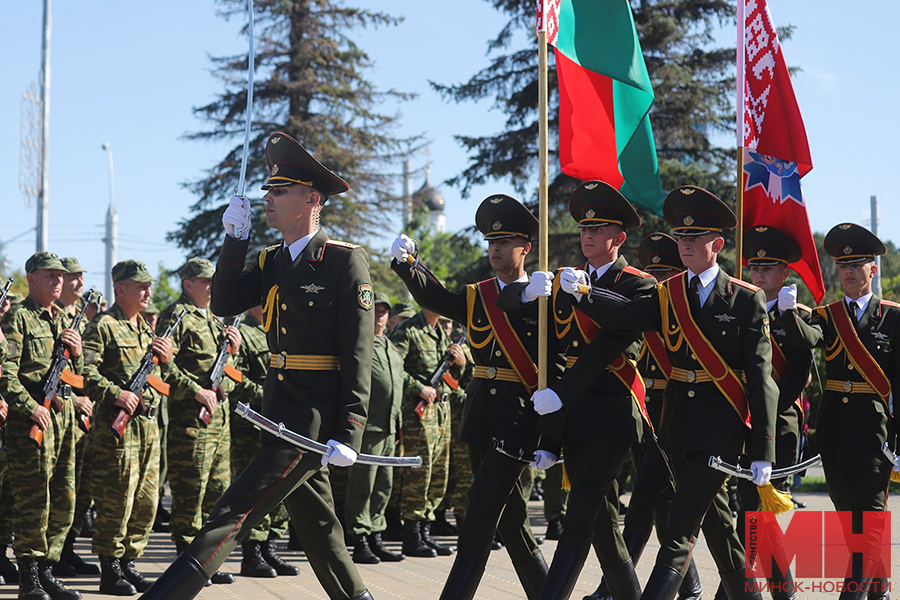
<point x="130" y="74"/>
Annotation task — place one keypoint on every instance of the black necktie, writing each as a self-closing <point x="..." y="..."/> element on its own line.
<point x="853" y="310"/>
<point x="288" y="261"/>
<point x="595" y="278"/>
<point x="695" y="291"/>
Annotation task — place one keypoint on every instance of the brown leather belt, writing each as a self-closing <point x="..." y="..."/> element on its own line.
<point x="497" y="373"/>
<point x="698" y="376"/>
<point x="305" y="362"/>
<point x="849" y="387"/>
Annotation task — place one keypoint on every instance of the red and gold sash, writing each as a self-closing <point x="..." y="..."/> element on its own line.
<point x="858" y="354"/>
<point x="657" y="349"/>
<point x="673" y="292"/>
<point x="503" y="331"/>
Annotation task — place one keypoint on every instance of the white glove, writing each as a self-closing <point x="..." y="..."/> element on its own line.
<point x="787" y="298"/>
<point x="339" y="455"/>
<point x="236" y="219"/>
<point x="544" y="459"/>
<point x="546" y="402"/>
<point x="762" y="471"/>
<point x="571" y="279"/>
<point x="541" y="285"/>
<point x="402" y="247"/>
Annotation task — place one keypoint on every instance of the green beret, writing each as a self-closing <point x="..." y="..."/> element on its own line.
<point x="196" y="267"/>
<point x="44" y="260"/>
<point x="382" y="298"/>
<point x="72" y="265"/>
<point x="131" y="269"/>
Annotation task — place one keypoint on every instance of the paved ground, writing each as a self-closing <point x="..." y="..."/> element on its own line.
<point x="416" y="579"/>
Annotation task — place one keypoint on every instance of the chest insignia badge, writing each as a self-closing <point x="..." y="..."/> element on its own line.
<point x="725" y="318"/>
<point x="879" y="336"/>
<point x="780" y="332"/>
<point x="531" y="321"/>
<point x="312" y="288"/>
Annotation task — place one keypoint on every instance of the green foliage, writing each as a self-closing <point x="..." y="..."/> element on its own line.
<point x="167" y="289"/>
<point x="310" y="83"/>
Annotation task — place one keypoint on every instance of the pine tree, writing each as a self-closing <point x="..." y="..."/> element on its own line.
<point x="310" y="83"/>
<point x="693" y="81"/>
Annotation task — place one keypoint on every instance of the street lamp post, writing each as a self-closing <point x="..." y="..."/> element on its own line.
<point x="112" y="231"/>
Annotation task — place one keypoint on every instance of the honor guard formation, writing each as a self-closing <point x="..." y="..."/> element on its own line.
<point x="659" y="365"/>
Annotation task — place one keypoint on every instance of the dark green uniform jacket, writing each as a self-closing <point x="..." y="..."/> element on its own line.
<point x="735" y="321"/>
<point x="387" y="387"/>
<point x="850" y="428"/>
<point x="322" y="306"/>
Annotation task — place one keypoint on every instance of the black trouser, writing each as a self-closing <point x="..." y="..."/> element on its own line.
<point x="651" y="492"/>
<point x="282" y="472"/>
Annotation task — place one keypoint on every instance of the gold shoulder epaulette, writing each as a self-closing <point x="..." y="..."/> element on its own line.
<point x="804" y="307"/>
<point x="633" y="271"/>
<point x="265" y="252"/>
<point x="744" y="284"/>
<point x="341" y="244"/>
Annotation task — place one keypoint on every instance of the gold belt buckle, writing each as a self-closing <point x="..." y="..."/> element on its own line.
<point x="690" y="376"/>
<point x="280" y="360"/>
<point x="848" y="386"/>
<point x="492" y="372"/>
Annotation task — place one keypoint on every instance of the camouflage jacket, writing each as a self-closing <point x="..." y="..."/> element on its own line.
<point x="71" y="312"/>
<point x="253" y="362"/>
<point x="113" y="350"/>
<point x="195" y="343"/>
<point x="31" y="332"/>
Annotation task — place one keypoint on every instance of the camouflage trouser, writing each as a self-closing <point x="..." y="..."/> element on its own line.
<point x="83" y="453"/>
<point x="6" y="502"/>
<point x="199" y="470"/>
<point x="244" y="447"/>
<point x="42" y="481"/>
<point x="369" y="487"/>
<point x="461" y="477"/>
<point x="429" y="437"/>
<point x="162" y="421"/>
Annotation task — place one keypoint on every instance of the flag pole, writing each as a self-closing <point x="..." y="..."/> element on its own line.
<point x="543" y="216"/>
<point x="739" y="130"/>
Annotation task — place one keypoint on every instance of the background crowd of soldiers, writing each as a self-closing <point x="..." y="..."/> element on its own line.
<point x="100" y="444"/>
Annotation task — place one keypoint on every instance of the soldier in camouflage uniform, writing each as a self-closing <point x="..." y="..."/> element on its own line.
<point x="71" y="302"/>
<point x="126" y="472"/>
<point x="460" y="476"/>
<point x="199" y="457"/>
<point x="8" y="572"/>
<point x="42" y="479"/>
<point x="259" y="556"/>
<point x="426" y="427"/>
<point x="369" y="487"/>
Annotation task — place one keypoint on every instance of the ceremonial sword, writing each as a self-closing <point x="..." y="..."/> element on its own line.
<point x="239" y="192"/>
<point x="720" y="465"/>
<point x="280" y="431"/>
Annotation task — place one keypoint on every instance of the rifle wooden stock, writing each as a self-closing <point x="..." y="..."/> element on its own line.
<point x="83" y="421"/>
<point x="36" y="435"/>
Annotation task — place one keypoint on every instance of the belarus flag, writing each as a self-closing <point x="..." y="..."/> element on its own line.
<point x="604" y="97"/>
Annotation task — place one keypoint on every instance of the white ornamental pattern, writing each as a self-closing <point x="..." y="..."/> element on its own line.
<point x="761" y="46"/>
<point x="552" y="20"/>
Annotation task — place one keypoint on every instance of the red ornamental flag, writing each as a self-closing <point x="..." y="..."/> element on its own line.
<point x="769" y="118"/>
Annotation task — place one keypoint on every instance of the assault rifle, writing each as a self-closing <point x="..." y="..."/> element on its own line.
<point x="141" y="378"/>
<point x="58" y="376"/>
<point x="442" y="373"/>
<point x="219" y="370"/>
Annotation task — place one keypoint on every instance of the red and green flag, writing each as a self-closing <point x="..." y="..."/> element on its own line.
<point x="605" y="97"/>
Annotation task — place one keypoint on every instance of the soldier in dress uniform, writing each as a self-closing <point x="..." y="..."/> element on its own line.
<point x="605" y="415"/>
<point x="70" y="563"/>
<point x="199" y="456"/>
<point x="652" y="487"/>
<point x="501" y="430"/>
<point x="713" y="326"/>
<point x="126" y="473"/>
<point x="42" y="479"/>
<point x="259" y="556"/>
<point x="858" y="334"/>
<point x="317" y="299"/>
<point x="369" y="486"/>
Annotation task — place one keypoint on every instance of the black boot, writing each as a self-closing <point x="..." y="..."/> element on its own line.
<point x="220" y="577"/>
<point x="879" y="589"/>
<point x="413" y="545"/>
<point x="635" y="543"/>
<point x="378" y="549"/>
<point x="738" y="587"/>
<point x="183" y="580"/>
<point x="441" y="549"/>
<point x="293" y="541"/>
<point x="69" y="557"/>
<point x="29" y="582"/>
<point x="394" y="531"/>
<point x="133" y="576"/>
<point x="690" y="588"/>
<point x="663" y="583"/>
<point x="623" y="582"/>
<point x="532" y="574"/>
<point x="112" y="580"/>
<point x="267" y="549"/>
<point x="363" y="596"/>
<point x="781" y="586"/>
<point x="720" y="592"/>
<point x="52" y="585"/>
<point x="554" y="529"/>
<point x="362" y="554"/>
<point x="563" y="573"/>
<point x="87" y="524"/>
<point x="441" y="525"/>
<point x="8" y="570"/>
<point x="252" y="563"/>
<point x="464" y="577"/>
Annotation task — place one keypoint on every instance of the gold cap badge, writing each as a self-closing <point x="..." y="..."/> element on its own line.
<point x="655" y="258"/>
<point x="496" y="225"/>
<point x="762" y="229"/>
<point x="590" y="186"/>
<point x="274" y="169"/>
<point x="761" y="252"/>
<point x="276" y="139"/>
<point x="847" y="249"/>
<point x="687" y="191"/>
<point x="589" y="213"/>
<point x="689" y="220"/>
<point x="655" y="238"/>
<point x="845" y="226"/>
<point x="496" y="199"/>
